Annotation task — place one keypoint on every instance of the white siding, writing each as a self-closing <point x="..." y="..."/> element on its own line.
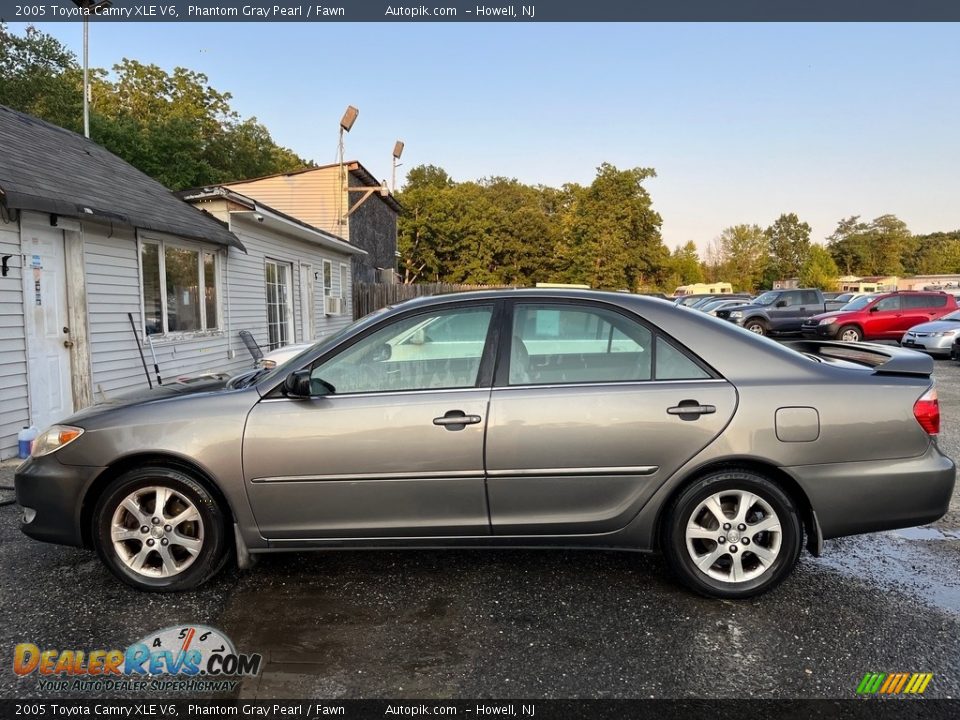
<point x="14" y="409"/>
<point x="113" y="290"/>
<point x="248" y="298"/>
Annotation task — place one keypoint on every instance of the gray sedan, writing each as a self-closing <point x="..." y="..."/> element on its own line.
<point x="546" y="418"/>
<point x="935" y="337"/>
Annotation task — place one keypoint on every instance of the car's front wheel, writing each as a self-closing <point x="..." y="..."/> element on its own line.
<point x="850" y="333"/>
<point x="158" y="529"/>
<point x="758" y="327"/>
<point x="732" y="534"/>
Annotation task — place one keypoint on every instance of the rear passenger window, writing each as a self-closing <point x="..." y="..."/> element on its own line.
<point x="555" y="344"/>
<point x="912" y="302"/>
<point x="809" y="298"/>
<point x="674" y="365"/>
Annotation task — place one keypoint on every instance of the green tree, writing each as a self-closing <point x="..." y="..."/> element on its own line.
<point x="742" y="255"/>
<point x="875" y="248"/>
<point x="789" y="240"/>
<point x="934" y="254"/>
<point x="819" y="269"/>
<point x="684" y="267"/>
<point x="173" y="126"/>
<point x="40" y="76"/>
<point x="612" y="233"/>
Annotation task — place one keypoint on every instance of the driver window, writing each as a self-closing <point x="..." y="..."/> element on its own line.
<point x="430" y="351"/>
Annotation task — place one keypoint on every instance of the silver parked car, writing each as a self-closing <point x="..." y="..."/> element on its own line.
<point x="545" y="418"/>
<point x="935" y="337"/>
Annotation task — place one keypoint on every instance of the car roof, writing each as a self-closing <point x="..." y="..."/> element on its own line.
<point x="616" y="298"/>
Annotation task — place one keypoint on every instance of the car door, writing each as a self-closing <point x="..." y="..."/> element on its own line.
<point x="591" y="411"/>
<point x="884" y="320"/>
<point x="786" y="313"/>
<point x="922" y="308"/>
<point x="394" y="449"/>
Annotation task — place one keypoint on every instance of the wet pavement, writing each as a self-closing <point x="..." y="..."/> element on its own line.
<point x="533" y="624"/>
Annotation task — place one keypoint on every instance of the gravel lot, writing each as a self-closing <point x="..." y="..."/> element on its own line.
<point x="521" y="623"/>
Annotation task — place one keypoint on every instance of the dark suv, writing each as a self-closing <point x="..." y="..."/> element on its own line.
<point x="885" y="316"/>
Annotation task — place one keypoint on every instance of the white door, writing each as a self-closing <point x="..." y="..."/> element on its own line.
<point x="45" y="318"/>
<point x="307" y="310"/>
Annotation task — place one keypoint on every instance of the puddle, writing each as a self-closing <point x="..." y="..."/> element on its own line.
<point x="890" y="560"/>
<point x="926" y="533"/>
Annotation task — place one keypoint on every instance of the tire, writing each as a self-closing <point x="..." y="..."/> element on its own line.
<point x="191" y="527"/>
<point x="689" y="515"/>
<point x="849" y="333"/>
<point x="758" y="327"/>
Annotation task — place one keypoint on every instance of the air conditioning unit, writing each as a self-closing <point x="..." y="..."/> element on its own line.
<point x="332" y="305"/>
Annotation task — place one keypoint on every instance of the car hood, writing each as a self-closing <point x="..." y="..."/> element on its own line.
<point x="813" y="320"/>
<point x="209" y="384"/>
<point x="936" y="326"/>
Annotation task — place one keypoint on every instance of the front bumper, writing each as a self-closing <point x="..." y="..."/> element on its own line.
<point x="820" y="332"/>
<point x="925" y="343"/>
<point x="860" y="497"/>
<point x="51" y="495"/>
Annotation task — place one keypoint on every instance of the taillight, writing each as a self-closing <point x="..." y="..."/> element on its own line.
<point x="927" y="411"/>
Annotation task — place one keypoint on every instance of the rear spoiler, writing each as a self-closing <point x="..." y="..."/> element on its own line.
<point x="884" y="359"/>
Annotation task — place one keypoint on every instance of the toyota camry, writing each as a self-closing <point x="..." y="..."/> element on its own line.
<point x="534" y="418"/>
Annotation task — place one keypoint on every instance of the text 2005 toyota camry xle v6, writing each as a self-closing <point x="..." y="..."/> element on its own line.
<point x="516" y="418"/>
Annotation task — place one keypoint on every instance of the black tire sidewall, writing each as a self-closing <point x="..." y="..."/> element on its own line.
<point x="674" y="541"/>
<point x="212" y="554"/>
<point x="759" y="323"/>
<point x="842" y="330"/>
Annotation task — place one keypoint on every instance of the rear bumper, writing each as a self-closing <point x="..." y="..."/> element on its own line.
<point x="51" y="495"/>
<point x="860" y="497"/>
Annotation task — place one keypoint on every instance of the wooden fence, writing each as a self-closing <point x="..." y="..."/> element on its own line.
<point x="368" y="297"/>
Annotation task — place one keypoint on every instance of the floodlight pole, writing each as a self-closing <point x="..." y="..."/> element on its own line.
<point x="86" y="77"/>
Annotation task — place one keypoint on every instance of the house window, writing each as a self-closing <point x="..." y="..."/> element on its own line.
<point x="327" y="278"/>
<point x="343" y="280"/>
<point x="279" y="304"/>
<point x="179" y="289"/>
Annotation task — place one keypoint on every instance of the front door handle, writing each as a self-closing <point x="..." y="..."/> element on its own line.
<point x="456" y="420"/>
<point x="691" y="409"/>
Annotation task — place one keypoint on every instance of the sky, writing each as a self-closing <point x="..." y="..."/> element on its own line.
<point x="742" y="122"/>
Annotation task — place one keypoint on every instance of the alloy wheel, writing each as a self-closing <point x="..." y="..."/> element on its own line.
<point x="733" y="536"/>
<point x="157" y="532"/>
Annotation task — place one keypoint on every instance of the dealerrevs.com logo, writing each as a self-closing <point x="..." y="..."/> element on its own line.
<point x="173" y="658"/>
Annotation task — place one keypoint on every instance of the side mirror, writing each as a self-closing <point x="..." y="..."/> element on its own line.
<point x="297" y="384"/>
<point x="781" y="303"/>
<point x="874" y="308"/>
<point x="382" y="353"/>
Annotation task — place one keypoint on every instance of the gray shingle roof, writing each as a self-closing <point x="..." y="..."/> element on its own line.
<point x="48" y="169"/>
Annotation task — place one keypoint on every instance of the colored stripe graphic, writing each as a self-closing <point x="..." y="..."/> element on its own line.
<point x="894" y="683"/>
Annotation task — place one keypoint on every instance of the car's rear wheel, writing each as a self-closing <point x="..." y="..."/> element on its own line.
<point x="758" y="327"/>
<point x="732" y="534"/>
<point x="850" y="333"/>
<point x="159" y="529"/>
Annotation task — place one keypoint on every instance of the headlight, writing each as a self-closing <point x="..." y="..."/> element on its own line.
<point x="55" y="438"/>
<point x="736" y="314"/>
<point x="945" y="333"/>
<point x="268" y="364"/>
<point x="827" y="321"/>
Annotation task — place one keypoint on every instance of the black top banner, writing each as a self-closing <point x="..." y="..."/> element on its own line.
<point x="474" y="11"/>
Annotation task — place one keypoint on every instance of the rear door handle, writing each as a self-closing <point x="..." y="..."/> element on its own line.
<point x="456" y="420"/>
<point x="691" y="409"/>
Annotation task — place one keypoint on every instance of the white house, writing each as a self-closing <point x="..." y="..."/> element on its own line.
<point x="88" y="242"/>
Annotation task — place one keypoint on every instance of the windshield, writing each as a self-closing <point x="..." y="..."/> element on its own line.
<point x="767" y="298"/>
<point x="281" y="370"/>
<point x="858" y="304"/>
<point x="952" y="317"/>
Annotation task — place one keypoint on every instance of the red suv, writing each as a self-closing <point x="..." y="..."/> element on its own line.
<point x="884" y="316"/>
